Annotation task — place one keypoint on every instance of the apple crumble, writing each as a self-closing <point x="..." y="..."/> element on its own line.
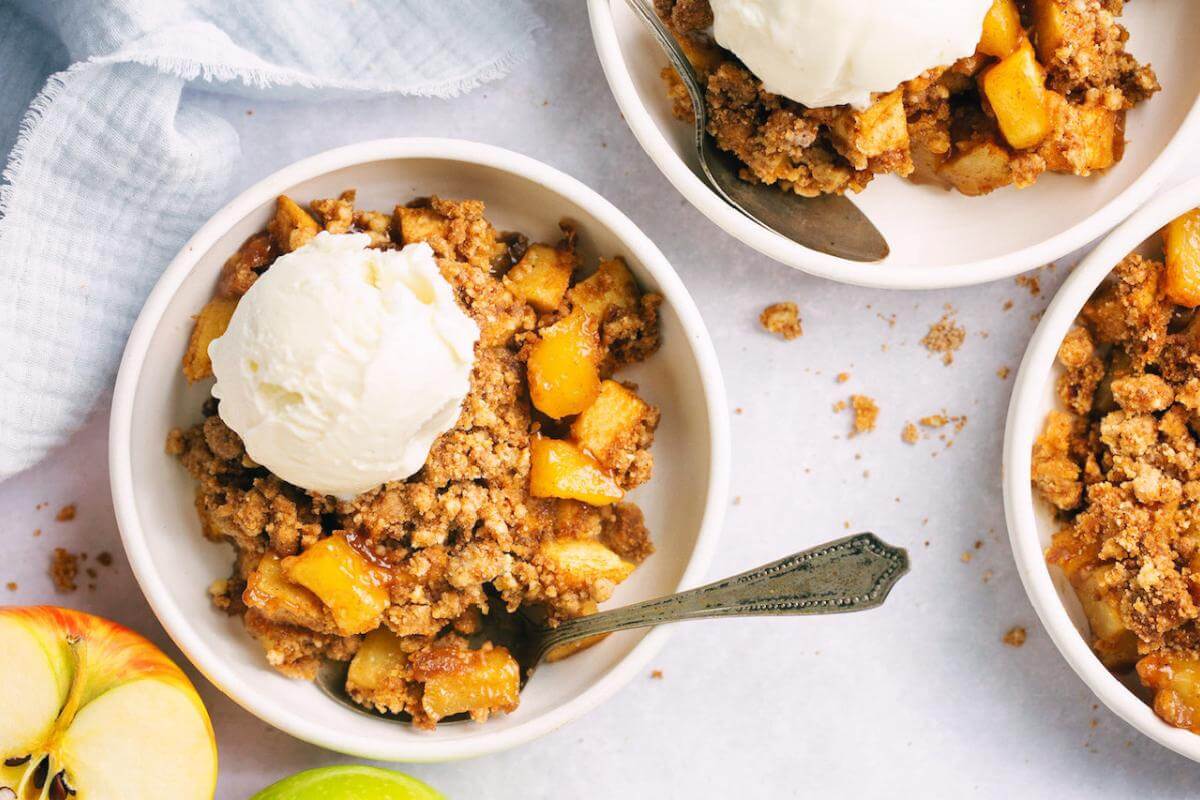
<point x="1120" y="463"/>
<point x="1046" y="90"/>
<point x="518" y="506"/>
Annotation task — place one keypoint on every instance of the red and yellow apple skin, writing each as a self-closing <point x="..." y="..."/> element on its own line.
<point x="110" y="713"/>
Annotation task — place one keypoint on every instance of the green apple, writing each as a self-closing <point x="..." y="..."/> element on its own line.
<point x="88" y="708"/>
<point x="349" y="783"/>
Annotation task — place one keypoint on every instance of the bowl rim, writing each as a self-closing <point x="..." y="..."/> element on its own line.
<point x="1025" y="423"/>
<point x="875" y="275"/>
<point x="200" y="651"/>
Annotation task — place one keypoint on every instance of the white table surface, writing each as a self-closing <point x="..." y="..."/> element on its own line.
<point x="920" y="697"/>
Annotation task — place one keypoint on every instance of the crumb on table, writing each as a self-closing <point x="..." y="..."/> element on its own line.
<point x="1015" y="637"/>
<point x="866" y="413"/>
<point x="842" y="377"/>
<point x="945" y="337"/>
<point x="656" y="674"/>
<point x="66" y="513"/>
<point x="11" y="586"/>
<point x="64" y="568"/>
<point x="909" y="435"/>
<point x="782" y="319"/>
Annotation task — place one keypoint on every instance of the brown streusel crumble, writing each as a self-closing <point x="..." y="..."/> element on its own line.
<point x="464" y="541"/>
<point x="1015" y="636"/>
<point x="64" y="569"/>
<point x="866" y="413"/>
<point x="1120" y="464"/>
<point x="945" y="337"/>
<point x="782" y="319"/>
<point x="938" y="127"/>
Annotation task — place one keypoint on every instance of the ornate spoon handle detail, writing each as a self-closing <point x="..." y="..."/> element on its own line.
<point x="851" y="574"/>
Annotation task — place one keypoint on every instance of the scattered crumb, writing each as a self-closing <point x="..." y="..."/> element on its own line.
<point x="40" y="506"/>
<point x="866" y="412"/>
<point x="656" y="674"/>
<point x="37" y="532"/>
<point x="64" y="568"/>
<point x="11" y="586"/>
<point x="978" y="544"/>
<point x="945" y="336"/>
<point x="842" y="377"/>
<point x="909" y="434"/>
<point x="1002" y="373"/>
<point x="105" y="558"/>
<point x="839" y="406"/>
<point x="1031" y="283"/>
<point x="1015" y="637"/>
<point x="966" y="557"/>
<point x="738" y="411"/>
<point x="737" y="500"/>
<point x="1008" y="304"/>
<point x="890" y="319"/>
<point x="986" y="577"/>
<point x="66" y="513"/>
<point x="782" y="319"/>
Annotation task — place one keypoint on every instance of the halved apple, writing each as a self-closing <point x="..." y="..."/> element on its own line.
<point x="90" y="708"/>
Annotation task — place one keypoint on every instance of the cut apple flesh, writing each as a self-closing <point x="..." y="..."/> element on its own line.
<point x="155" y="757"/>
<point x="30" y="695"/>
<point x="91" y="709"/>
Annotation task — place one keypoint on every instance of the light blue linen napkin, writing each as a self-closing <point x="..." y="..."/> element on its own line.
<point x="109" y="168"/>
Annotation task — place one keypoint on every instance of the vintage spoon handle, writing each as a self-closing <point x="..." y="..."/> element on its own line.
<point x="851" y="574"/>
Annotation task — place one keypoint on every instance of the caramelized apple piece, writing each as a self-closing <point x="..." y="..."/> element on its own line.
<point x="560" y="469"/>
<point x="1113" y="642"/>
<point x="611" y="288"/>
<point x="977" y="168"/>
<point x="881" y="128"/>
<point x="1083" y="139"/>
<point x="211" y="323"/>
<point x="1049" y="27"/>
<point x="458" y="680"/>
<point x="353" y="588"/>
<point x="542" y="276"/>
<point x="564" y="373"/>
<point x="611" y="425"/>
<point x="581" y="563"/>
<point x="379" y="662"/>
<point x="240" y="270"/>
<point x="419" y="224"/>
<point x="291" y="227"/>
<point x="1181" y="240"/>
<point x="281" y="600"/>
<point x="1016" y="90"/>
<point x="1176" y="683"/>
<point x="1002" y="31"/>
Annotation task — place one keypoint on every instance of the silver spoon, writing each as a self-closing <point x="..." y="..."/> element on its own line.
<point x="851" y="574"/>
<point x="829" y="223"/>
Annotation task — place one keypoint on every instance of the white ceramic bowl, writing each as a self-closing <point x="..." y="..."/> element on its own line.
<point x="938" y="238"/>
<point x="174" y="564"/>
<point x="1031" y="522"/>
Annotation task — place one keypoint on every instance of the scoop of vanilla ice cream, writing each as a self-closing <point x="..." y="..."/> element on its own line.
<point x="342" y="364"/>
<point x="830" y="52"/>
